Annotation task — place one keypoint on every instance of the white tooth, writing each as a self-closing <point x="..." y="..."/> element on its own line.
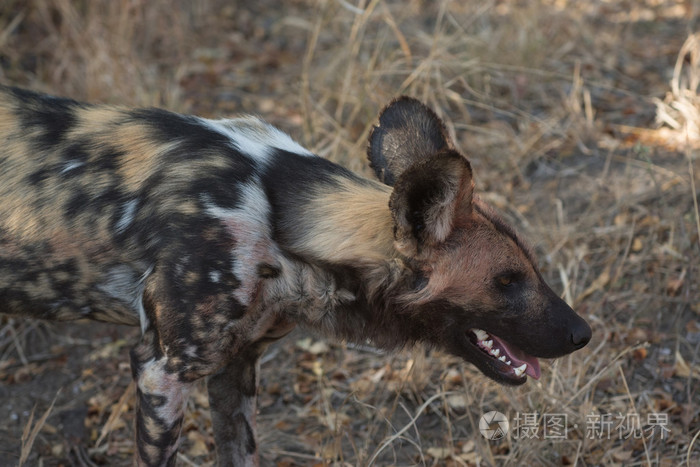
<point x="508" y="362"/>
<point x="480" y="335"/>
<point x="496" y="352"/>
<point x="503" y="358"/>
<point x="520" y="370"/>
<point x="488" y="344"/>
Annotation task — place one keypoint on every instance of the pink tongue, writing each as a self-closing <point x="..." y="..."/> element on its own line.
<point x="518" y="357"/>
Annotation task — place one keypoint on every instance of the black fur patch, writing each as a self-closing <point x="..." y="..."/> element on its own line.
<point x="291" y="178"/>
<point x="408" y="132"/>
<point x="51" y="116"/>
<point x="424" y="193"/>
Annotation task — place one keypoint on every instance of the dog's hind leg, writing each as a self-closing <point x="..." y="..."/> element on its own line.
<point x="232" y="402"/>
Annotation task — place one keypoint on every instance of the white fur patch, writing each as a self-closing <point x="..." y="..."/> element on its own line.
<point x="143" y="319"/>
<point x="70" y="165"/>
<point x="255" y="137"/>
<point x="249" y="225"/>
<point x="123" y="283"/>
<point x="119" y="282"/>
<point x="215" y="276"/>
<point x="155" y="381"/>
<point x="128" y="214"/>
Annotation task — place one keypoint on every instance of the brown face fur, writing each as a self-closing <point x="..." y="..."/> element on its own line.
<point x="473" y="259"/>
<point x="481" y="279"/>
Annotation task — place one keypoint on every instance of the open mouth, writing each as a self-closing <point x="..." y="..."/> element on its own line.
<point x="508" y="360"/>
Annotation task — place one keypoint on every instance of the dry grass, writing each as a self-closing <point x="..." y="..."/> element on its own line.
<point x="581" y="120"/>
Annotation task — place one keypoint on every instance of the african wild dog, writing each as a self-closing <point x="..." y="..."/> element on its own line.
<point x="218" y="237"/>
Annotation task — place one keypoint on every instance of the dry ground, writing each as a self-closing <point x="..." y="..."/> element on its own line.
<point x="581" y="120"/>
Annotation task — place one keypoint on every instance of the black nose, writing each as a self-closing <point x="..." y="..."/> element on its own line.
<point x="580" y="334"/>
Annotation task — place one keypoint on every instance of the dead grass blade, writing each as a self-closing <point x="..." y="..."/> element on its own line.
<point x="30" y="432"/>
<point x="693" y="192"/>
<point x="116" y="413"/>
<point x="680" y="109"/>
<point x="10" y="28"/>
<point x="600" y="373"/>
<point x="18" y="345"/>
<point x="387" y="442"/>
<point x="403" y="43"/>
<point x="690" y="448"/>
<point x="634" y="411"/>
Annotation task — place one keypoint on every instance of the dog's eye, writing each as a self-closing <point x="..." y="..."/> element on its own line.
<point x="505" y="280"/>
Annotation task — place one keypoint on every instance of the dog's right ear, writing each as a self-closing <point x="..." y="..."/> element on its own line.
<point x="408" y="132"/>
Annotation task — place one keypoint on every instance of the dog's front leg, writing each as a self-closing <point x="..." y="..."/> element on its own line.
<point x="160" y="406"/>
<point x="232" y="402"/>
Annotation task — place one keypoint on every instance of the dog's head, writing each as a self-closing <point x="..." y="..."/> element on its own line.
<point x="478" y="292"/>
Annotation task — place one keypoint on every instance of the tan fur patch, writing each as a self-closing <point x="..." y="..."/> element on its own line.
<point x="142" y="156"/>
<point x="350" y="223"/>
<point x="105" y="126"/>
<point x="8" y="122"/>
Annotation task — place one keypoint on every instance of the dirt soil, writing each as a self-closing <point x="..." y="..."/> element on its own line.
<point x="582" y="123"/>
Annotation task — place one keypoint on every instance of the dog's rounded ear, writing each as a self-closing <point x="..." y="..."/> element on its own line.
<point x="407" y="132"/>
<point x="426" y="200"/>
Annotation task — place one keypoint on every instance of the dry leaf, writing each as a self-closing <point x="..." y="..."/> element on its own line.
<point x="456" y="401"/>
<point x="469" y="446"/>
<point x="319" y="347"/>
<point x="304" y="343"/>
<point x="696" y="308"/>
<point x="283" y="425"/>
<point x="622" y="455"/>
<point x="683" y="369"/>
<point x="439" y="452"/>
<point x="640" y="353"/>
<point x="378" y="375"/>
<point x="109" y="350"/>
<point x="453" y="376"/>
<point x="673" y="286"/>
<point x="470" y="457"/>
<point x="317" y="368"/>
<point x="637" y="244"/>
<point x="307" y="344"/>
<point x="57" y="450"/>
<point x="637" y="335"/>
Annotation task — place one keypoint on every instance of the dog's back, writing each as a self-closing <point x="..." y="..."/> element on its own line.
<point x="58" y="257"/>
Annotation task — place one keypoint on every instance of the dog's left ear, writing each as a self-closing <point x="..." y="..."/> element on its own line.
<point x="427" y="198"/>
<point x="407" y="132"/>
<point x="409" y="150"/>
